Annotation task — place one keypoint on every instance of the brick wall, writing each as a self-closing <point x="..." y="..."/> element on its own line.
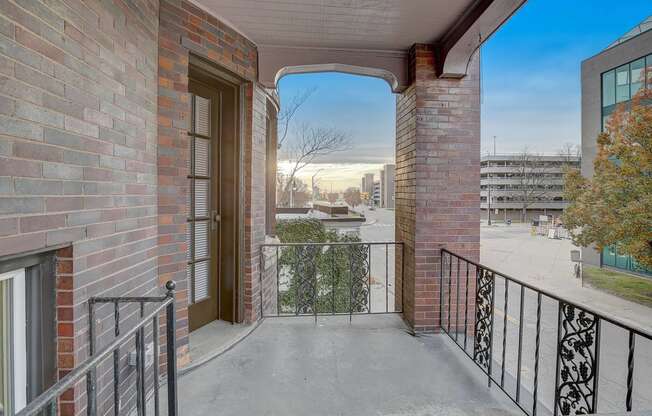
<point x="78" y="146"/>
<point x="405" y="186"/>
<point x="255" y="205"/>
<point x="437" y="179"/>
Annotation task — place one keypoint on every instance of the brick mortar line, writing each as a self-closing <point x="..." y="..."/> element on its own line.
<point x="61" y="81"/>
<point x="109" y="34"/>
<point x="85" y="301"/>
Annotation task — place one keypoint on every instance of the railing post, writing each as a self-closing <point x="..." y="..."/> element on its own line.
<point x="91" y="376"/>
<point x="278" y="282"/>
<point x="170" y="312"/>
<point x="441" y="289"/>
<point x="402" y="278"/>
<point x="262" y="270"/>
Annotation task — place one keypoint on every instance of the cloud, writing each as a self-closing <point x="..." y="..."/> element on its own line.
<point x="338" y="175"/>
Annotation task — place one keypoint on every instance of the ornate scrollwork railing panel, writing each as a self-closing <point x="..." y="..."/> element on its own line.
<point x="483" y="317"/>
<point x="577" y="374"/>
<point x="306" y="279"/>
<point x="359" y="278"/>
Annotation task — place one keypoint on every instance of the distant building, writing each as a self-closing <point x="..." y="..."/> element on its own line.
<point x="387" y="186"/>
<point x="367" y="186"/>
<point x="609" y="79"/>
<point x="369" y="183"/>
<point x="501" y="186"/>
<point x="376" y="198"/>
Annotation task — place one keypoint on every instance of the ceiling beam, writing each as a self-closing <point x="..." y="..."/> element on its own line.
<point x="453" y="51"/>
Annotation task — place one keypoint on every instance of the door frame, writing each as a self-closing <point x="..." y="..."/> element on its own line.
<point x="207" y="72"/>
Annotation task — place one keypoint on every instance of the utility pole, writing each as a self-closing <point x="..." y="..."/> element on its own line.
<point x="488" y="201"/>
<point x="292" y="194"/>
<point x="494" y="145"/>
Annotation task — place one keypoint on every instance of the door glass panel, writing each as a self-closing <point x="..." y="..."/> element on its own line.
<point x="201" y="198"/>
<point x="201" y="157"/>
<point x="202" y="116"/>
<point x="189" y="242"/>
<point x="199" y="205"/>
<point x="189" y="275"/>
<point x="201" y="239"/>
<point x="201" y="280"/>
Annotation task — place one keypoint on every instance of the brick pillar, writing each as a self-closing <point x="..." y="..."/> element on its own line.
<point x="437" y="180"/>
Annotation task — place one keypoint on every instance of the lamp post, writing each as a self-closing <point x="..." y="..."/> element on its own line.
<point x="312" y="184"/>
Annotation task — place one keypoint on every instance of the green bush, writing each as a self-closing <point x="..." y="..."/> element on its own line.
<point x="328" y="278"/>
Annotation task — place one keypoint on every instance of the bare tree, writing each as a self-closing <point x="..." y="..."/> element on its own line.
<point x="288" y="111"/>
<point x="352" y="197"/>
<point x="332" y="197"/>
<point x="531" y="179"/>
<point x="292" y="192"/>
<point x="310" y="144"/>
<point x="570" y="152"/>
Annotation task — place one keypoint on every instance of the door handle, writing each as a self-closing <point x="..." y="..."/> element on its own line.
<point x="215" y="218"/>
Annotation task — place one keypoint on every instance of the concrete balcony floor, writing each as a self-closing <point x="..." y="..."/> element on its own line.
<point x="373" y="366"/>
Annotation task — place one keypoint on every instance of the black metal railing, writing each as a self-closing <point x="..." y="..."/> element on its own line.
<point x="47" y="401"/>
<point x="340" y="278"/>
<point x="548" y="354"/>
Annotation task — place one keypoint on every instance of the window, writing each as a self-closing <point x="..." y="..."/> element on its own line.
<point x="13" y="355"/>
<point x="27" y="330"/>
<point x="637" y="75"/>
<point x="608" y="88"/>
<point x="622" y="84"/>
<point x="648" y="69"/>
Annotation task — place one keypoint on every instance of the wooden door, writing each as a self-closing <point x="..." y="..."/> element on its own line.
<point x="213" y="203"/>
<point x="203" y="219"/>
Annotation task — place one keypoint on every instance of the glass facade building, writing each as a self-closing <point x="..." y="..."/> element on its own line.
<point x="619" y="85"/>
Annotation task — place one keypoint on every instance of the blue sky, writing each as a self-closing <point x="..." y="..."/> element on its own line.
<point x="530" y="86"/>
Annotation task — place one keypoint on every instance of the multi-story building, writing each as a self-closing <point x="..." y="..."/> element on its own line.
<point x="377" y="194"/>
<point x="367" y="186"/>
<point x="518" y="186"/>
<point x="609" y="79"/>
<point x="387" y="186"/>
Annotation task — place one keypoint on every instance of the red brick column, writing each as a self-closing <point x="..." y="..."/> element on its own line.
<point x="437" y="180"/>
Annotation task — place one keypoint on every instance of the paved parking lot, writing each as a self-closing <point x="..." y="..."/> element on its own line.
<point x="535" y="259"/>
<point x="546" y="263"/>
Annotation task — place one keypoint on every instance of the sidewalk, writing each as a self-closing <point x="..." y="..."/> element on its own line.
<point x="546" y="263"/>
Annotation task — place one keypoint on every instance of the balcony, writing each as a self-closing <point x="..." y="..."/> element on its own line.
<point x="370" y="366"/>
<point x="506" y="348"/>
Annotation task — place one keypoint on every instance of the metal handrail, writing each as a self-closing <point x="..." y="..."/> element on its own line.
<point x="615" y="321"/>
<point x="47" y="401"/>
<point x="578" y="342"/>
<point x="337" y="243"/>
<point x="306" y="302"/>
